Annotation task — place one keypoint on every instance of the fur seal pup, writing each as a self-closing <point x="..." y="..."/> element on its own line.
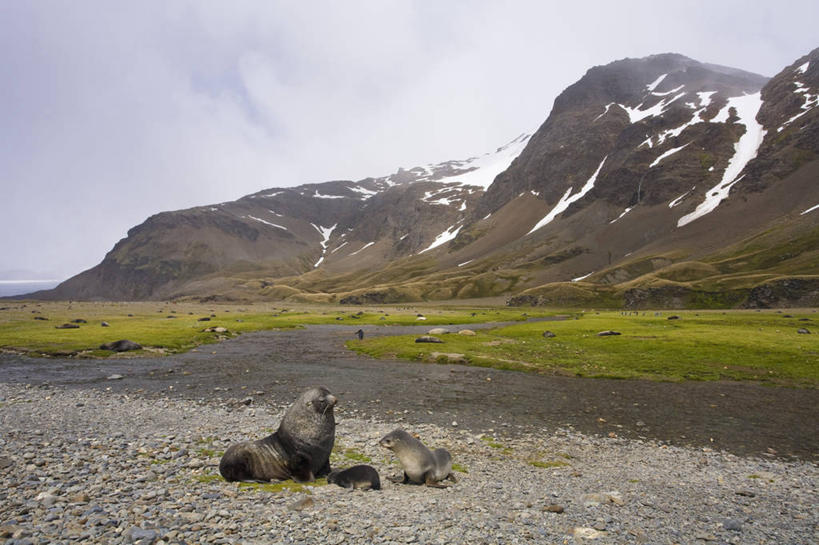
<point x="421" y="466"/>
<point x="363" y="477"/>
<point x="298" y="450"/>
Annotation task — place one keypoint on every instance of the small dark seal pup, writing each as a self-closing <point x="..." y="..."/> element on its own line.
<point x="421" y="466"/>
<point x="363" y="477"/>
<point x="298" y="450"/>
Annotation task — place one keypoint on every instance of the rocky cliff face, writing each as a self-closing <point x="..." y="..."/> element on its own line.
<point x="661" y="175"/>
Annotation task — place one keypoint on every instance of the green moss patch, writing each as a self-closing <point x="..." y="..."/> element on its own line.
<point x="149" y="325"/>
<point x="698" y="345"/>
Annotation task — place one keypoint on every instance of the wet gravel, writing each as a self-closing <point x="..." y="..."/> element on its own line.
<point x="741" y="418"/>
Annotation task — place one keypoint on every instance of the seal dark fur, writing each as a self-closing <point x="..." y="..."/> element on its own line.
<point x="298" y="450"/>
<point x="421" y="466"/>
<point x="362" y="476"/>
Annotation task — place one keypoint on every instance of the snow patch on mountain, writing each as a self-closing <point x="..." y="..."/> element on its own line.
<point x="626" y="211"/>
<point x="809" y="210"/>
<point x="666" y="154"/>
<point x="653" y="85"/>
<point x="363" y="248"/>
<point x="318" y="195"/>
<point x="705" y="98"/>
<point x="679" y="199"/>
<point x="481" y="171"/>
<point x="450" y="196"/>
<point x="803" y="68"/>
<point x="568" y="199"/>
<point x="811" y="101"/>
<point x="365" y="193"/>
<point x="266" y="222"/>
<point x="605" y="111"/>
<point x="666" y="93"/>
<point x="636" y="114"/>
<point x="696" y="117"/>
<point x="325" y="233"/>
<point x="579" y="278"/>
<point x="745" y="149"/>
<point x="443" y="238"/>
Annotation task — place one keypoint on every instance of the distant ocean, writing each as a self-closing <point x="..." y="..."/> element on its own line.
<point x="19" y="287"/>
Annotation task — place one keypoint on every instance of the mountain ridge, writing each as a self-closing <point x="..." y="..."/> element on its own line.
<point x="649" y="159"/>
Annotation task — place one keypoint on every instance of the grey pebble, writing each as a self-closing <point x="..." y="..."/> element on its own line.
<point x="115" y="468"/>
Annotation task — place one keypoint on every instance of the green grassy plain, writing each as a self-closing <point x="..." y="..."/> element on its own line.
<point x="175" y="327"/>
<point x="700" y="345"/>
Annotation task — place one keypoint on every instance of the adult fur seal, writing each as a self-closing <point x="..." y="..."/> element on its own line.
<point x="421" y="466"/>
<point x="362" y="476"/>
<point x="298" y="450"/>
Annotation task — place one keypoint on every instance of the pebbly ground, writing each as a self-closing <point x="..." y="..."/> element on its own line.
<point x="113" y="467"/>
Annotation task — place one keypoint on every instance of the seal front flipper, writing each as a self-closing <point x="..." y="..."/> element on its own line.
<point x="432" y="483"/>
<point x="325" y="469"/>
<point x="300" y="468"/>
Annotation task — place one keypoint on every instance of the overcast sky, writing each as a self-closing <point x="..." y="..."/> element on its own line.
<point x="113" y="111"/>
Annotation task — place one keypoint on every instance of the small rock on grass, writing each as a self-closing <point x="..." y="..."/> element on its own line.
<point x="122" y="345"/>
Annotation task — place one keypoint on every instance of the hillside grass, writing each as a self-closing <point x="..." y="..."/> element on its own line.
<point x="172" y="328"/>
<point x="701" y="345"/>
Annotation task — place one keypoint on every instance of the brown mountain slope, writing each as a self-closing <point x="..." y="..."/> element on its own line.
<point x="660" y="180"/>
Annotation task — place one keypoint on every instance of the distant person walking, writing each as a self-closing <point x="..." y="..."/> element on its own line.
<point x="360" y="334"/>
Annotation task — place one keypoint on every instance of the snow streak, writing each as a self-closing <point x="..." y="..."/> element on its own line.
<point x="666" y="154"/>
<point x="653" y="85"/>
<point x="626" y="211"/>
<point x="568" y="199"/>
<point x="363" y="248"/>
<point x="811" y="101"/>
<point x="745" y="149"/>
<point x="325" y="233"/>
<point x="266" y="222"/>
<point x="443" y="238"/>
<point x="485" y="168"/>
<point x="579" y="278"/>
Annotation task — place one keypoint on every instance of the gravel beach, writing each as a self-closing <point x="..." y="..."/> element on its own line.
<point x="86" y="465"/>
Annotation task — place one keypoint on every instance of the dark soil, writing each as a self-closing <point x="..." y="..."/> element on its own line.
<point x="742" y="418"/>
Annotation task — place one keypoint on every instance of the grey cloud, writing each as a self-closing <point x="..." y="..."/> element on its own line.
<point x="113" y="112"/>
